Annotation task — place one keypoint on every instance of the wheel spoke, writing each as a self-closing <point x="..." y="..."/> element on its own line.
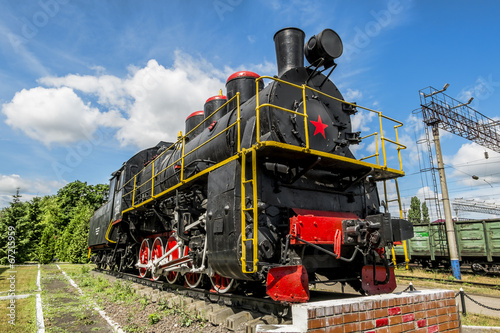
<point x="157" y="252"/>
<point x="144" y="256"/>
<point x="193" y="280"/>
<point x="222" y="284"/>
<point x="171" y="243"/>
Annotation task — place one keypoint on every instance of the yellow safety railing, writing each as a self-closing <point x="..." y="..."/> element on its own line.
<point x="376" y="148"/>
<point x="181" y="141"/>
<point x="304" y="114"/>
<point x="180" y="144"/>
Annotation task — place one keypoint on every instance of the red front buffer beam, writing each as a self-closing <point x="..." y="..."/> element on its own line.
<point x="291" y="283"/>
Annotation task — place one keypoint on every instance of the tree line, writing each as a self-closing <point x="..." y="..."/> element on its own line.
<point x="51" y="227"/>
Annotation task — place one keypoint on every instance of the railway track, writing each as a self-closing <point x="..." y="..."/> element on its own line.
<point x="235" y="312"/>
<point x="259" y="307"/>
<point x="255" y="303"/>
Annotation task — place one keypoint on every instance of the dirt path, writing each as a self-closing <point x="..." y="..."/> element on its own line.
<point x="64" y="309"/>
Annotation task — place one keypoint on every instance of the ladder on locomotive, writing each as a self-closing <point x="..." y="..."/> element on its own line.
<point x="249" y="212"/>
<point x="398" y="200"/>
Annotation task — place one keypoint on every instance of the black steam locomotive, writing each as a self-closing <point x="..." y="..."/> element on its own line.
<point x="262" y="188"/>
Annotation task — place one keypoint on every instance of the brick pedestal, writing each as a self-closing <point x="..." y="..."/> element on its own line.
<point x="416" y="311"/>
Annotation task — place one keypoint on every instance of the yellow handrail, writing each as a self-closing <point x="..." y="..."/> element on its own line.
<point x="107" y="232"/>
<point x="181" y="141"/>
<point x="376" y="148"/>
<point x="241" y="153"/>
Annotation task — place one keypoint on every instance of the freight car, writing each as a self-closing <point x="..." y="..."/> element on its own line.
<point x="262" y="190"/>
<point x="478" y="244"/>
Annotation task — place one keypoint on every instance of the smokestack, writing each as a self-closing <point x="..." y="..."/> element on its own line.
<point x="289" y="44"/>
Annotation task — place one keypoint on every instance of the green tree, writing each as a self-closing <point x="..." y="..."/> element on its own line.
<point x="33" y="218"/>
<point x="71" y="194"/>
<point x="3" y="236"/>
<point x="78" y="249"/>
<point x="15" y="218"/>
<point x="414" y="214"/>
<point x="425" y="213"/>
<point x="46" y="249"/>
<point x="52" y="226"/>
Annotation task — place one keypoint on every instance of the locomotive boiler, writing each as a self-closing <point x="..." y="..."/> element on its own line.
<point x="262" y="190"/>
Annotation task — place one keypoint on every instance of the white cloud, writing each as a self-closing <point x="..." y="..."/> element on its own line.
<point x="28" y="188"/>
<point x="470" y="161"/>
<point x="482" y="89"/>
<point x="352" y="95"/>
<point x="361" y="120"/>
<point x="145" y="106"/>
<point x="109" y="89"/>
<point x="54" y="115"/>
<point x="148" y="105"/>
<point x="10" y="183"/>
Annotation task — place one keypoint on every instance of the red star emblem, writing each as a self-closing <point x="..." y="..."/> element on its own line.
<point x="320" y="127"/>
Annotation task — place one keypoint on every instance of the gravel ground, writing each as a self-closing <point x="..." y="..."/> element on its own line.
<point x="136" y="318"/>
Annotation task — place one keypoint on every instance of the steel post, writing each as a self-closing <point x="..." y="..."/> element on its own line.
<point x="450" y="228"/>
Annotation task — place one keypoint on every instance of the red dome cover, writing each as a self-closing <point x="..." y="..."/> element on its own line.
<point x="215" y="97"/>
<point x="197" y="113"/>
<point x="242" y="74"/>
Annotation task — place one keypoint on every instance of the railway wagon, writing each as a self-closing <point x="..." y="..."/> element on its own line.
<point x="478" y="244"/>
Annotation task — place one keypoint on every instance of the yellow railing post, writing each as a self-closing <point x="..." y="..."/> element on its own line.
<point x="257" y="113"/>
<point x="133" y="192"/>
<point x="382" y="139"/>
<point x="305" y="116"/>
<point x="153" y="178"/>
<point x="376" y="148"/>
<point x="182" y="158"/>
<point x="399" y="146"/>
<point x="239" y="121"/>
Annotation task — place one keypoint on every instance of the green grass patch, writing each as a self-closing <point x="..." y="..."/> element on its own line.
<point x="76" y="270"/>
<point x="65" y="310"/>
<point x="25" y="316"/>
<point x="25" y="277"/>
<point x="403" y="276"/>
<point x="479" y="320"/>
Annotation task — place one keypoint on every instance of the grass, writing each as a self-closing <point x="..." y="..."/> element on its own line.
<point x="402" y="276"/>
<point x="25" y="316"/>
<point x="154" y="318"/>
<point x="75" y="270"/>
<point x="64" y="308"/>
<point x="479" y="320"/>
<point x="25" y="279"/>
<point x="186" y="319"/>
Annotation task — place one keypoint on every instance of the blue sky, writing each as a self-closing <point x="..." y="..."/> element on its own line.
<point x="86" y="84"/>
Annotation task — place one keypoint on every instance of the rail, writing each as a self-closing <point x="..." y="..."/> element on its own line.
<point x="144" y="192"/>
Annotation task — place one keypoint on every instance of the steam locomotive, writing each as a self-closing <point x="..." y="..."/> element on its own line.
<point x="262" y="190"/>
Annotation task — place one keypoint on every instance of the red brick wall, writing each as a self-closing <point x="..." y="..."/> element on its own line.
<point x="418" y="311"/>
